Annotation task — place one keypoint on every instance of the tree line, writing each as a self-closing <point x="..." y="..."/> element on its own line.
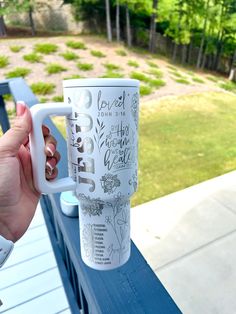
<point x="208" y="25"/>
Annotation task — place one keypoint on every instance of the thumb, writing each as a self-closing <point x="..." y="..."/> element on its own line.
<point x="11" y="141"/>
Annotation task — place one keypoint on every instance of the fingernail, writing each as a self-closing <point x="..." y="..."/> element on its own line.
<point x="49" y="167"/>
<point x="20" y="108"/>
<point x="51" y="149"/>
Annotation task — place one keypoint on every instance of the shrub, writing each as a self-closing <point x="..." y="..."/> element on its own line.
<point x="155" y="72"/>
<point x="85" y="66"/>
<point x="75" y="44"/>
<point x="152" y="64"/>
<point x="112" y="74"/>
<point x="156" y="83"/>
<point x="140" y="76"/>
<point x="69" y="55"/>
<point x="229" y="86"/>
<point x="16" y="48"/>
<point x="212" y="78"/>
<point x="53" y="68"/>
<point x="145" y="90"/>
<point x="33" y="57"/>
<point x="121" y="52"/>
<point x="18" y="72"/>
<point x="97" y="53"/>
<point x="75" y="76"/>
<point x="57" y="98"/>
<point x="111" y="67"/>
<point x="42" y="88"/>
<point x="133" y="63"/>
<point x="4" y="61"/>
<point x="197" y="80"/>
<point x="46" y="48"/>
<point x="182" y="81"/>
<point x="176" y="74"/>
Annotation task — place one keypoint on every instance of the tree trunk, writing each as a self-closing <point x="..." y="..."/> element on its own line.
<point x="128" y="30"/>
<point x="175" y="52"/>
<point x="199" y="58"/>
<point x="232" y="74"/>
<point x="152" y="36"/>
<point x="189" y="51"/>
<point x="108" y="20"/>
<point x="117" y="20"/>
<point x="32" y="25"/>
<point x="3" y="31"/>
<point x="184" y="54"/>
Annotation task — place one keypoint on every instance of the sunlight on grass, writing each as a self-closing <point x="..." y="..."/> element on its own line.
<point x="97" y="53"/>
<point x="184" y="141"/>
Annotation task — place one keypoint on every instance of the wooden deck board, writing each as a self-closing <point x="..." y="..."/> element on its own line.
<point x="30" y="281"/>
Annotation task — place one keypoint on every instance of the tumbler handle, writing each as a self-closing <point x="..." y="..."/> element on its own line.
<point x="37" y="145"/>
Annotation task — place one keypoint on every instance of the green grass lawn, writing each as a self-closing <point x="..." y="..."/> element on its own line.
<point x="183" y="141"/>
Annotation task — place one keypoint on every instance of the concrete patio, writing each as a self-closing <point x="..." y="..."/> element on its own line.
<point x="189" y="239"/>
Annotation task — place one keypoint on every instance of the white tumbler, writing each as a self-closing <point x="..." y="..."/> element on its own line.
<point x="102" y="143"/>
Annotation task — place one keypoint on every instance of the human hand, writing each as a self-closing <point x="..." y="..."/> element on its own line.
<point x="18" y="195"/>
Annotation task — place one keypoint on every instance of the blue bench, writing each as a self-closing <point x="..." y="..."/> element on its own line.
<point x="132" y="288"/>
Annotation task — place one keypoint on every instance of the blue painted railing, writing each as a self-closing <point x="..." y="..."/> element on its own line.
<point x="132" y="288"/>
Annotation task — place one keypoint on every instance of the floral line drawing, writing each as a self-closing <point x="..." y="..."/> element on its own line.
<point x="109" y="183"/>
<point x="119" y="222"/>
<point x="99" y="134"/>
<point x="91" y="207"/>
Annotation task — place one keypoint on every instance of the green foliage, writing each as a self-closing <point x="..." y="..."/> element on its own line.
<point x="57" y="98"/>
<point x="121" y="52"/>
<point x="85" y="66"/>
<point x="33" y="57"/>
<point x="4" y="61"/>
<point x="176" y="74"/>
<point x="198" y="80"/>
<point x="157" y="83"/>
<point x="229" y="86"/>
<point x="16" y="48"/>
<point x="112" y="74"/>
<point x="72" y="77"/>
<point x="97" y="53"/>
<point x="18" y="72"/>
<point x="69" y="55"/>
<point x="212" y="78"/>
<point x="76" y="44"/>
<point x="152" y="64"/>
<point x="53" y="68"/>
<point x="155" y="72"/>
<point x="133" y="63"/>
<point x="145" y="90"/>
<point x="42" y="88"/>
<point x="182" y="81"/>
<point x="111" y="67"/>
<point x="140" y="76"/>
<point x="45" y="48"/>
